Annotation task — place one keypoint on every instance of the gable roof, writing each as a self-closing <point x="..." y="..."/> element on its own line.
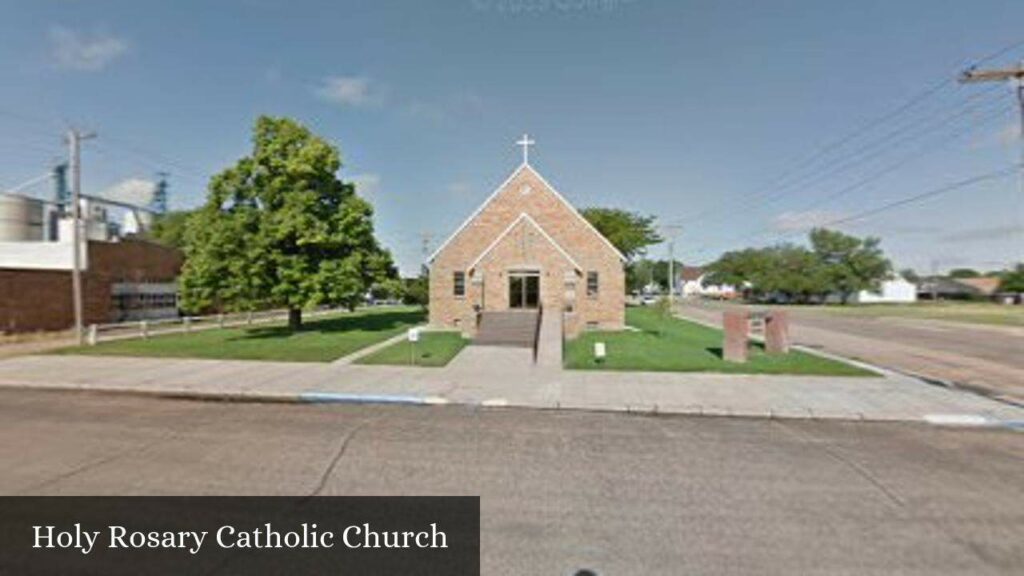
<point x="525" y="216"/>
<point x="690" y="273"/>
<point x="986" y="285"/>
<point x="501" y="187"/>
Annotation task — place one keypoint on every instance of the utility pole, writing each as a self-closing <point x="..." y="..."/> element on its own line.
<point x="425" y="240"/>
<point x="972" y="75"/>
<point x="671" y="231"/>
<point x="75" y="139"/>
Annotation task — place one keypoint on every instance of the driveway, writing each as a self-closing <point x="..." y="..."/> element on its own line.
<point x="986" y="357"/>
<point x="563" y="491"/>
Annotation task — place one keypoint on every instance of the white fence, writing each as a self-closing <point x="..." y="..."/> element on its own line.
<point x="148" y="328"/>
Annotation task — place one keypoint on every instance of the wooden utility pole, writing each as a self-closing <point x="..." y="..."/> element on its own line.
<point x="671" y="231"/>
<point x="74" y="152"/>
<point x="973" y="75"/>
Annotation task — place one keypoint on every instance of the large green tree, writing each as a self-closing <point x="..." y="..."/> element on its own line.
<point x="630" y="232"/>
<point x="836" y="264"/>
<point x="169" y="228"/>
<point x="280" y="229"/>
<point x="1013" y="280"/>
<point x="851" y="264"/>
<point x="964" y="273"/>
<point x="785" y="269"/>
<point x="642" y="272"/>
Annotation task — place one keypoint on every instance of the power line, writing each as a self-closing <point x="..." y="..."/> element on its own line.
<point x="861" y="183"/>
<point x="930" y="91"/>
<point x="889" y="140"/>
<point x="887" y="169"/>
<point x="997" y="112"/>
<point x="892" y="140"/>
<point x="925" y="195"/>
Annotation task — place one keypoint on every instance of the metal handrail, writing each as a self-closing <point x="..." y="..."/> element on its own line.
<point x="536" y="331"/>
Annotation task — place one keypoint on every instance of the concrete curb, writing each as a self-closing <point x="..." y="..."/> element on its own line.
<point x="349" y="398"/>
<point x="964" y="421"/>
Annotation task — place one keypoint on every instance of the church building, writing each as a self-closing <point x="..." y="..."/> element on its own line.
<point x="526" y="258"/>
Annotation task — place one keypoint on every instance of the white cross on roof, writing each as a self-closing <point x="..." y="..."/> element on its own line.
<point x="525" y="142"/>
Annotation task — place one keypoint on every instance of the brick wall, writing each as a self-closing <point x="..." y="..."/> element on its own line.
<point x="35" y="300"/>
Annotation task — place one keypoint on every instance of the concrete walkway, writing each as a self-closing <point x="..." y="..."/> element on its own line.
<point x="496" y="376"/>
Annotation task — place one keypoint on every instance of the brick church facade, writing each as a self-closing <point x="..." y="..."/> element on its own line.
<point x="527" y="249"/>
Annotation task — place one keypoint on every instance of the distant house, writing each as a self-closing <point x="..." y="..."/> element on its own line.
<point x="942" y="288"/>
<point x="986" y="286"/>
<point x="694" y="282"/>
<point x="895" y="291"/>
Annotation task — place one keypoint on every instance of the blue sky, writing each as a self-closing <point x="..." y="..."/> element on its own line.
<point x="688" y="110"/>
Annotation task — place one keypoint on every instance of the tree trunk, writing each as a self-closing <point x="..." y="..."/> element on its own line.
<point x="294" y="319"/>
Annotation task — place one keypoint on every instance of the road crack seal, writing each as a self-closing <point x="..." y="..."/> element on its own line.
<point x="339" y="454"/>
<point x="861" y="471"/>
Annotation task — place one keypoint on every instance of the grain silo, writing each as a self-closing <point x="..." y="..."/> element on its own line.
<point x="21" y="218"/>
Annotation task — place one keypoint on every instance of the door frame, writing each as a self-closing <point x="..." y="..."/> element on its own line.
<point x="525" y="276"/>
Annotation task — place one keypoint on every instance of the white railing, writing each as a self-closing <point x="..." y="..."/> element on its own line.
<point x="184" y="324"/>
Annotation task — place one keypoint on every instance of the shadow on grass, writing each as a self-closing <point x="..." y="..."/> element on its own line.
<point x="365" y="322"/>
<point x="719" y="352"/>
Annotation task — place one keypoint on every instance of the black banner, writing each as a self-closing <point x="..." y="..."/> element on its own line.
<point x="239" y="535"/>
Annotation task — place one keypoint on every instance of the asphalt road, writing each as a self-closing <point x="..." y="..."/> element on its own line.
<point x="561" y="491"/>
<point x="988" y="357"/>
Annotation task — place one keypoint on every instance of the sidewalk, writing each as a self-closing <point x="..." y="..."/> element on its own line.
<point x="494" y="376"/>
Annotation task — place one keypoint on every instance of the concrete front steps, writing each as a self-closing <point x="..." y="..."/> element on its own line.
<point x="507" y="328"/>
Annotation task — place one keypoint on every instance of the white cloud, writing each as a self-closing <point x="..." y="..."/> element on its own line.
<point x="132" y="191"/>
<point x="797" y="221"/>
<point x="348" y="91"/>
<point x="367" y="185"/>
<point x="76" y="51"/>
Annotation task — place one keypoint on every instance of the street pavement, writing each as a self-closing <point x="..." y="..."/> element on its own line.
<point x="989" y="358"/>
<point x="563" y="491"/>
<point x="491" y="375"/>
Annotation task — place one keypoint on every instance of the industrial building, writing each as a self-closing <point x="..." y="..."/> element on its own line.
<point x="124" y="277"/>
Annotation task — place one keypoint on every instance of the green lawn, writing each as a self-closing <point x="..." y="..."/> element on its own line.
<point x="321" y="339"/>
<point x="433" y="349"/>
<point x="674" y="345"/>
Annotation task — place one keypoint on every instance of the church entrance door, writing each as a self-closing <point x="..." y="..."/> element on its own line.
<point x="523" y="290"/>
